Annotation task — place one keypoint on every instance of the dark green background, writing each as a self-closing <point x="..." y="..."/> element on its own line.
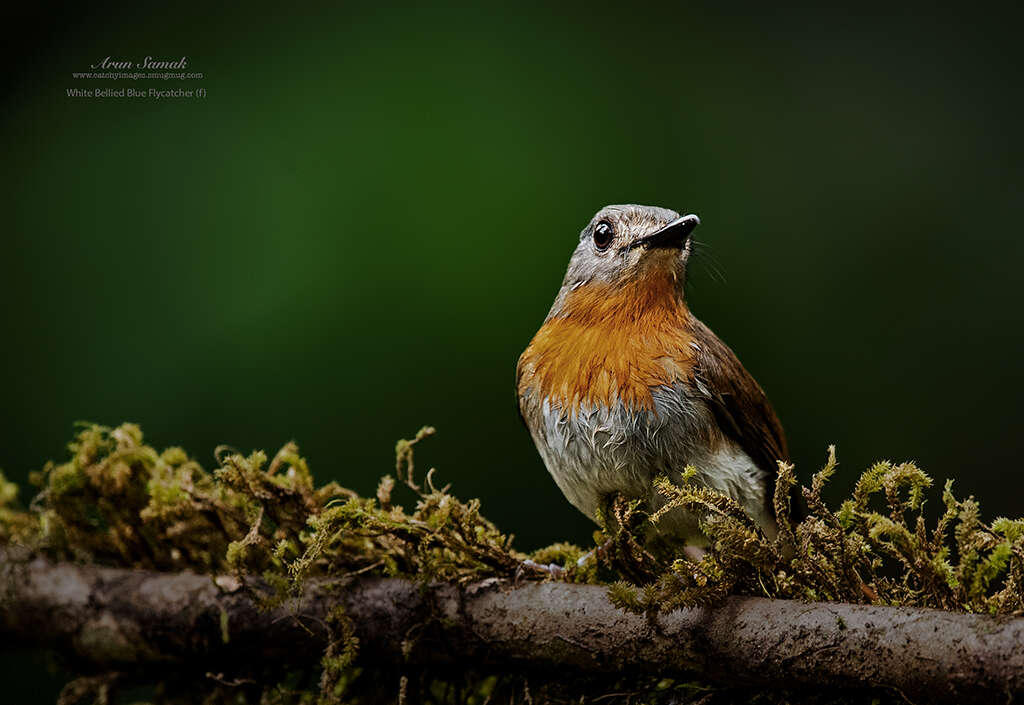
<point x="360" y="228"/>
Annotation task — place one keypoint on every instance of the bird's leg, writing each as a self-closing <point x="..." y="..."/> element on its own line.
<point x="552" y="569"/>
<point x="557" y="571"/>
<point x="598" y="553"/>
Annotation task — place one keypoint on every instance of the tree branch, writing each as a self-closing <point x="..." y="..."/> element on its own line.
<point x="123" y="619"/>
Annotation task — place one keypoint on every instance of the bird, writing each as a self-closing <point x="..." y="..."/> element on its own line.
<point x="622" y="383"/>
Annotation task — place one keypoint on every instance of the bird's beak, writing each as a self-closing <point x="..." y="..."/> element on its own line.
<point x="672" y="235"/>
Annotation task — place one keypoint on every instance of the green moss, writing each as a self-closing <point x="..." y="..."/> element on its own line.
<point x="8" y="491"/>
<point x="66" y="479"/>
<point x="118" y="501"/>
<point x="340" y="655"/>
<point x="15" y="525"/>
<point x="876" y="548"/>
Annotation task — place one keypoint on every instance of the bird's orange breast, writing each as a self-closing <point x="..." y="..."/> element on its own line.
<point x="610" y="343"/>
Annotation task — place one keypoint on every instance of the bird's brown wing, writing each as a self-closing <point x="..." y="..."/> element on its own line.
<point x="737" y="401"/>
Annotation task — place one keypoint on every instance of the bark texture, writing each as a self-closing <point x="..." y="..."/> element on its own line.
<point x="121" y="619"/>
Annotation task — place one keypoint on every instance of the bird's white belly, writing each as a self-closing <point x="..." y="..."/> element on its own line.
<point x="595" y="451"/>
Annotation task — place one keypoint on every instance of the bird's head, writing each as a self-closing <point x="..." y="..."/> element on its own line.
<point x="627" y="245"/>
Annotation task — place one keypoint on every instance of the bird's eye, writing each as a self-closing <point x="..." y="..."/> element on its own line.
<point x="603" y="234"/>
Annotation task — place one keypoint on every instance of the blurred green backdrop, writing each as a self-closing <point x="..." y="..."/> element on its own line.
<point x="360" y="228"/>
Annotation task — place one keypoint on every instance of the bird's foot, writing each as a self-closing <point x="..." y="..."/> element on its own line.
<point x="552" y="569"/>
<point x="557" y="571"/>
<point x="595" y="554"/>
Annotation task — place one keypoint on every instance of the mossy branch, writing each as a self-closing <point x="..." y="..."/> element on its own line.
<point x="299" y="565"/>
<point x="112" y="618"/>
